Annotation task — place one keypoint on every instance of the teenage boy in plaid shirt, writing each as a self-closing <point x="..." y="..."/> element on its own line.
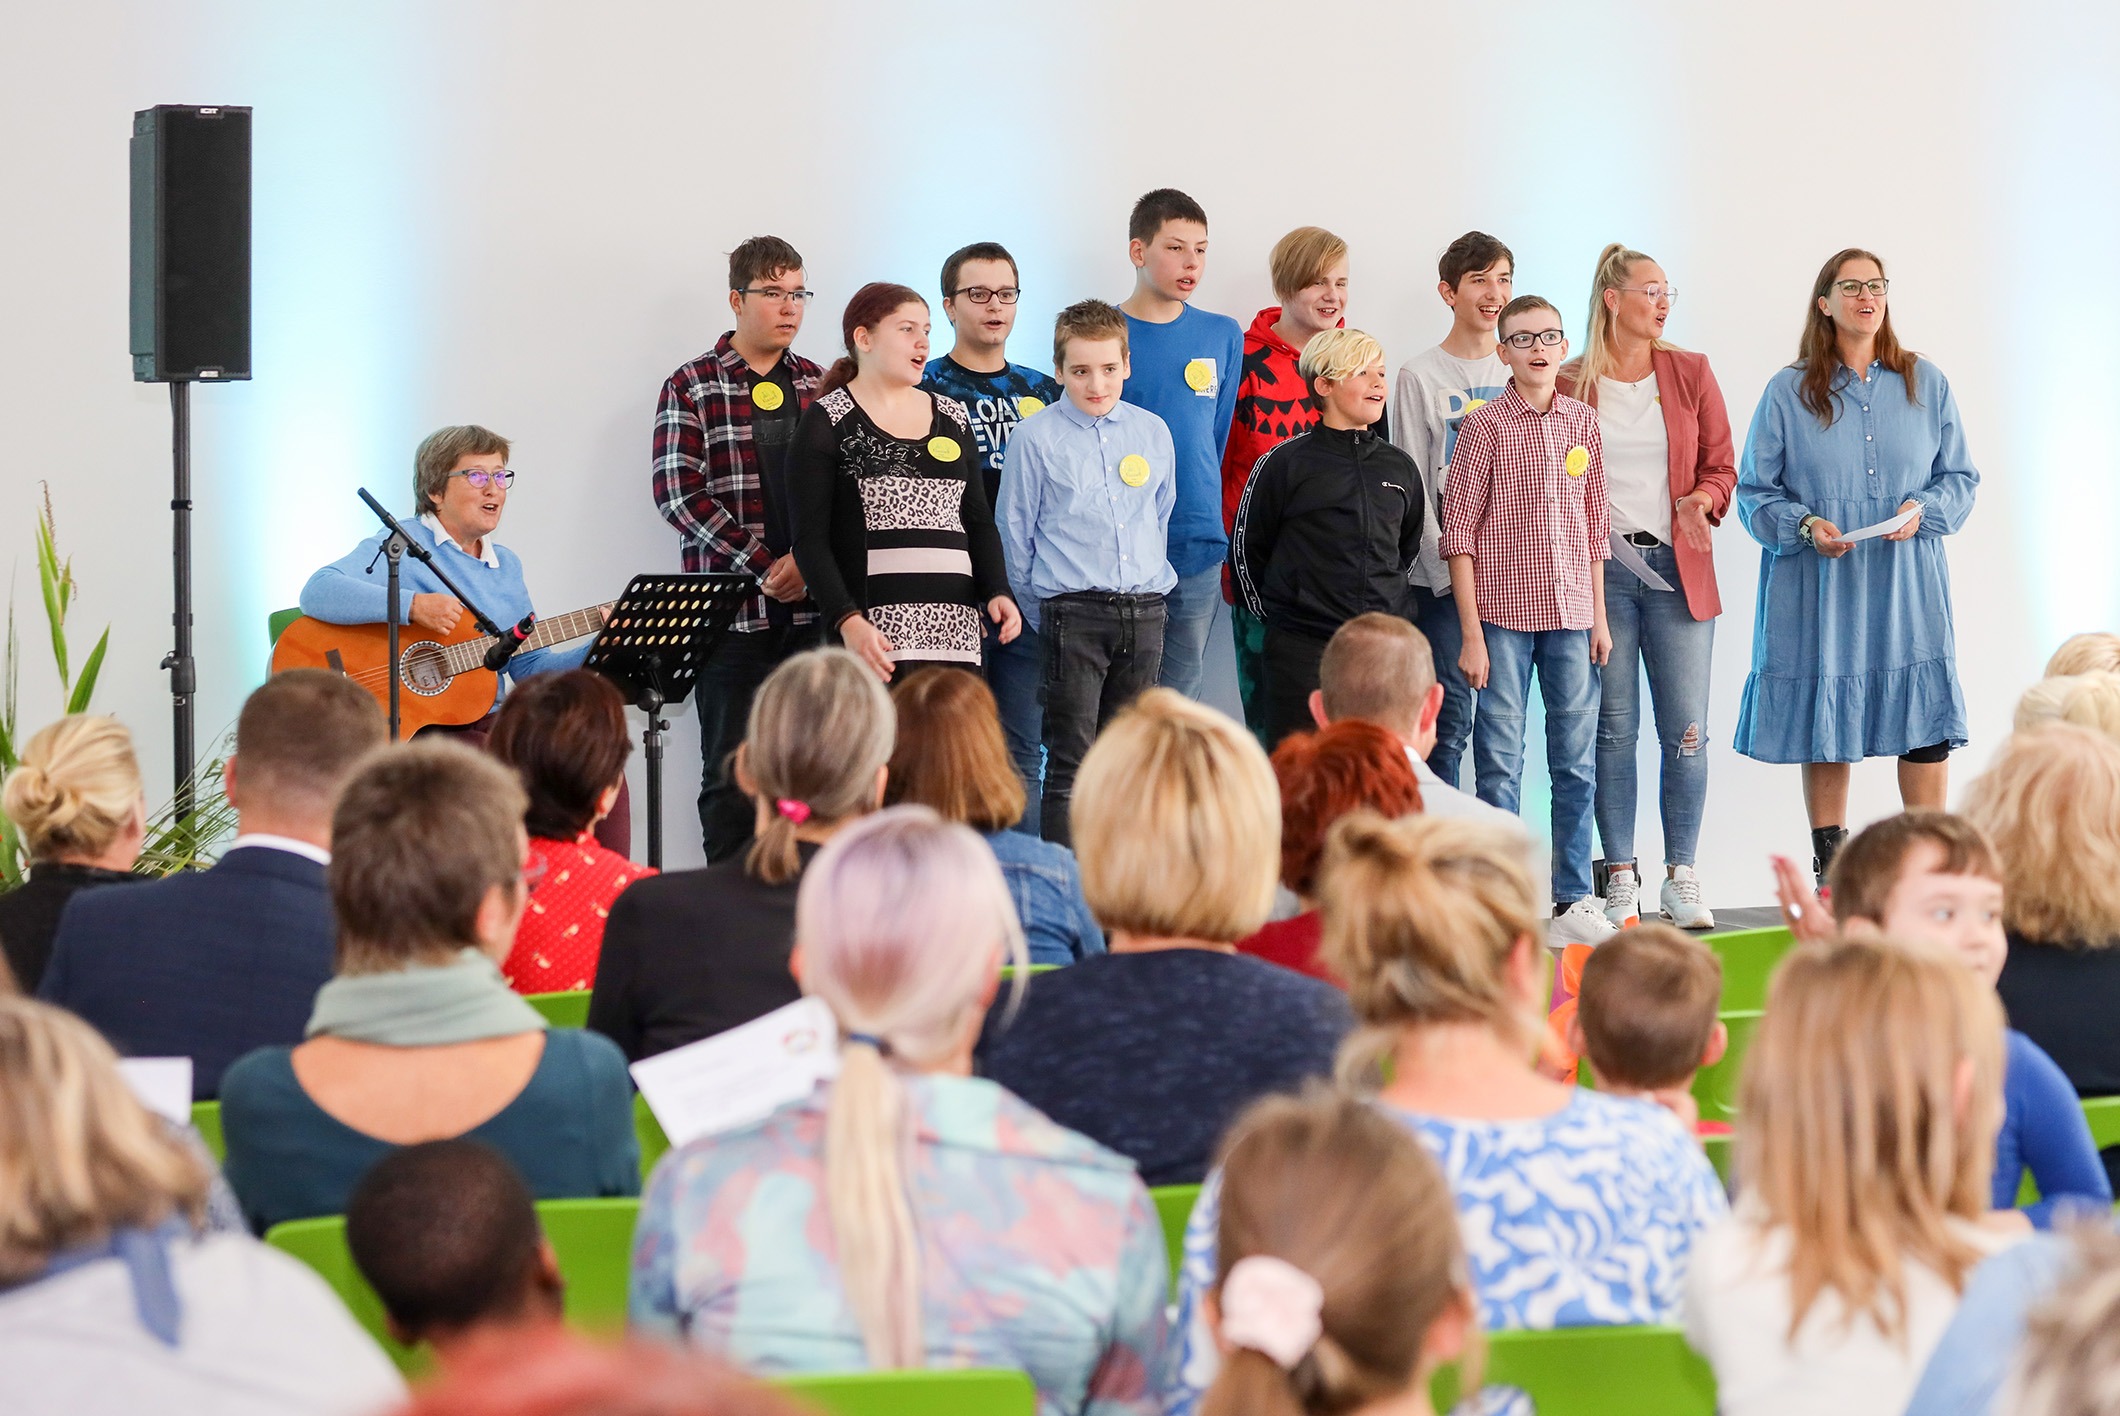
<point x="1526" y="532"/>
<point x="722" y="431"/>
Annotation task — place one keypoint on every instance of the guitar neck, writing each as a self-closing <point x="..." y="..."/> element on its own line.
<point x="471" y="654"/>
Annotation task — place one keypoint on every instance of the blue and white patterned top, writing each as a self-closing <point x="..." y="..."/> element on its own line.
<point x="1579" y="1219"/>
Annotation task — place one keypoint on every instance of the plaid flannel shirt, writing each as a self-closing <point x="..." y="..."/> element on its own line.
<point x="706" y="469"/>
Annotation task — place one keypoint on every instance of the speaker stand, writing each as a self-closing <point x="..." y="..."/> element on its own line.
<point x="183" y="670"/>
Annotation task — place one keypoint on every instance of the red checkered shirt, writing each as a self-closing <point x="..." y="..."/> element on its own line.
<point x="1533" y="530"/>
<point x="706" y="471"/>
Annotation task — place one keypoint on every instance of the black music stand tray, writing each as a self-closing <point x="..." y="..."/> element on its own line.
<point x="653" y="644"/>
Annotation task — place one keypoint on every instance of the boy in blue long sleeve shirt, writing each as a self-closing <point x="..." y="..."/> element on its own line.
<point x="1184" y="369"/>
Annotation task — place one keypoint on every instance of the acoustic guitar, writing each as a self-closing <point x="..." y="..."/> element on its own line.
<point x="446" y="680"/>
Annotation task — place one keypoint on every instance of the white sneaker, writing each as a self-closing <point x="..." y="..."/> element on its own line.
<point x="1623" y="898"/>
<point x="1583" y="922"/>
<point x="1680" y="898"/>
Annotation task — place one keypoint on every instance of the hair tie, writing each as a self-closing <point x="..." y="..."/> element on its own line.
<point x="1271" y="1306"/>
<point x="796" y="811"/>
<point x="870" y="1040"/>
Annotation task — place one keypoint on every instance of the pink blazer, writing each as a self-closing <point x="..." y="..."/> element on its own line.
<point x="1697" y="426"/>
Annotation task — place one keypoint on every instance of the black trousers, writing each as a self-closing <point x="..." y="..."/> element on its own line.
<point x="1101" y="651"/>
<point x="1291" y="676"/>
<point x="727" y="683"/>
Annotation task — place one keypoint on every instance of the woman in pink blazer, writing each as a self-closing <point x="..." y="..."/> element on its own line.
<point x="1669" y="472"/>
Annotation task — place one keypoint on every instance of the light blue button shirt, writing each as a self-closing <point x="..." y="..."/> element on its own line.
<point x="1069" y="519"/>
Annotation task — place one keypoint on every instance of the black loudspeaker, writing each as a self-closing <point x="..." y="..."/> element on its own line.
<point x="190" y="243"/>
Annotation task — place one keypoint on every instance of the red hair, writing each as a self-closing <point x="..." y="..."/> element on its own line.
<point x="871" y="306"/>
<point x="1326" y="774"/>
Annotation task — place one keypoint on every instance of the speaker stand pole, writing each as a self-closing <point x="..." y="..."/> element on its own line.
<point x="651" y="703"/>
<point x="183" y="670"/>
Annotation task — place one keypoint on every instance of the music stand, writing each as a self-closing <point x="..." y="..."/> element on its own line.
<point x="653" y="644"/>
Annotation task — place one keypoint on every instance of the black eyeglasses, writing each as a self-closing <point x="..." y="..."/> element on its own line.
<point x="777" y="295"/>
<point x="980" y="294"/>
<point x="1524" y="339"/>
<point x="481" y="478"/>
<point x="1852" y="288"/>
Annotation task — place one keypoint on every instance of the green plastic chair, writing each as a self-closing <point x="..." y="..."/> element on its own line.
<point x="1008" y="971"/>
<point x="649" y="1132"/>
<point x="1749" y="957"/>
<point x="967" y="1393"/>
<point x="206" y="1120"/>
<point x="277" y="621"/>
<point x="592" y="1238"/>
<point x="1596" y="1371"/>
<point x="1715" y="1088"/>
<point x="1722" y="1155"/>
<point x="562" y="1010"/>
<point x="1174" y="1207"/>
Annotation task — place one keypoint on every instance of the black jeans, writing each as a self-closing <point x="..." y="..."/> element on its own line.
<point x="1101" y="649"/>
<point x="1291" y="662"/>
<point x="727" y="683"/>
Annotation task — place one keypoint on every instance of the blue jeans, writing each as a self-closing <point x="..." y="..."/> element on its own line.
<point x="1015" y="672"/>
<point x="1567" y="680"/>
<point x="1655" y="627"/>
<point x="1437" y="617"/>
<point x="1192" y="614"/>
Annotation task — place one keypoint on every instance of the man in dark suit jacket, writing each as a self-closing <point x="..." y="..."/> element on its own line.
<point x="211" y="965"/>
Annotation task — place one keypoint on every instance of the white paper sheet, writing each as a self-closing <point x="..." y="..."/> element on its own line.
<point x="1882" y="528"/>
<point x="737" y="1077"/>
<point x="163" y="1085"/>
<point x="1629" y="555"/>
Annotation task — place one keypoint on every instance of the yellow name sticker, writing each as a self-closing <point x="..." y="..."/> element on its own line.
<point x="1199" y="375"/>
<point x="767" y="396"/>
<point x="1133" y="470"/>
<point x="1578" y="461"/>
<point x="1027" y="405"/>
<point x="944" y="449"/>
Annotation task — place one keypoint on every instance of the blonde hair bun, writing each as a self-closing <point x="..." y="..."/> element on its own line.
<point x="77" y="787"/>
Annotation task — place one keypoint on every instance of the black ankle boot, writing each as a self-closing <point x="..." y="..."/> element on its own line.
<point x="1826" y="842"/>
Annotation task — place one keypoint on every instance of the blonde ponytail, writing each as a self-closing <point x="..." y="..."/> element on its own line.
<point x="1613" y="266"/>
<point x="820" y="729"/>
<point x="865" y="1139"/>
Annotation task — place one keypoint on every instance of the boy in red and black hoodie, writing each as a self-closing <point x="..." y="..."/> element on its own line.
<point x="1309" y="267"/>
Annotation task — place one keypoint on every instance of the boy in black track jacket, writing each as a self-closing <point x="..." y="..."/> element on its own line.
<point x="1329" y="523"/>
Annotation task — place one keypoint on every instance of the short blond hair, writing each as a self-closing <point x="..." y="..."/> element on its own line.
<point x="2080" y="653"/>
<point x="77" y="786"/>
<point x="1087" y="319"/>
<point x="1301" y="258"/>
<point x="1337" y="354"/>
<point x="1177" y="823"/>
<point x="2090" y="700"/>
<point x="2050" y="802"/>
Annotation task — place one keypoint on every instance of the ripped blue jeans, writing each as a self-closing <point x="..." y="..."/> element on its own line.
<point x="1655" y="630"/>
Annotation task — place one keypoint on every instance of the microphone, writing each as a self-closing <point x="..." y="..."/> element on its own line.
<point x="510" y="640"/>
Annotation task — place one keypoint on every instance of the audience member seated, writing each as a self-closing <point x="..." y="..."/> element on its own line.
<point x="1866" y="1131"/>
<point x="2082" y="653"/>
<point x="565" y="736"/>
<point x="211" y="965"/>
<point x="1972" y="1360"/>
<point x="1577" y="1209"/>
<point x="2089" y="700"/>
<point x="418" y="1037"/>
<point x="952" y="758"/>
<point x="447" y="1235"/>
<point x="2070" y="1364"/>
<point x="922" y="1217"/>
<point x="1933" y="878"/>
<point x="548" y="1372"/>
<point x="1646" y="1019"/>
<point x="1343" y="767"/>
<point x="76" y="804"/>
<point x="114" y="1295"/>
<point x="1154" y="1048"/>
<point x="695" y="952"/>
<point x="1340" y="1283"/>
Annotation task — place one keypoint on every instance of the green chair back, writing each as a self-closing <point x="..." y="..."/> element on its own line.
<point x="649" y="1132"/>
<point x="592" y="1238"/>
<point x="1008" y="971"/>
<point x="1596" y="1371"/>
<point x="206" y="1120"/>
<point x="2103" y="1113"/>
<point x="1722" y="1155"/>
<point x="1174" y="1207"/>
<point x="277" y="622"/>
<point x="562" y="1010"/>
<point x="1749" y="957"/>
<point x="967" y="1393"/>
<point x="1715" y="1088"/>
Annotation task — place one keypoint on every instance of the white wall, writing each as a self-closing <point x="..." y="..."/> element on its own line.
<point x="515" y="212"/>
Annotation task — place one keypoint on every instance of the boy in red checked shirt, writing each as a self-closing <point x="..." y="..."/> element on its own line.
<point x="1526" y="532"/>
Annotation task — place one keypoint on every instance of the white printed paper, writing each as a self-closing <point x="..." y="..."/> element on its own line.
<point x="1882" y="528"/>
<point x="742" y="1075"/>
<point x="1629" y="555"/>
<point x="162" y="1084"/>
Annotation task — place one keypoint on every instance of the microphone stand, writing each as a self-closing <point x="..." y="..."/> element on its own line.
<point x="396" y="546"/>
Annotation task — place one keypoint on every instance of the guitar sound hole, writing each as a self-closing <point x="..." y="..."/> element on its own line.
<point x="425" y="669"/>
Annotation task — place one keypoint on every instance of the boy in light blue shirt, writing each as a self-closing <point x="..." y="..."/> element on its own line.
<point x="1087" y="491"/>
<point x="1185" y="367"/>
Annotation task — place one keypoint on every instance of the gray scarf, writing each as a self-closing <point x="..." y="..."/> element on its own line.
<point x="426" y="1005"/>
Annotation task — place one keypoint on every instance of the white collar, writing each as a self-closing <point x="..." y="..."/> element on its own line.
<point x="281" y="843"/>
<point x="491" y="554"/>
<point x="1421" y="769"/>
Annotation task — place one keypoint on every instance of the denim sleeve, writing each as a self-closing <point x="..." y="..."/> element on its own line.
<point x="1763" y="501"/>
<point x="1947" y="499"/>
<point x="1967" y="1367"/>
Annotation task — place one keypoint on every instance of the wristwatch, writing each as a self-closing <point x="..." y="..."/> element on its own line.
<point x="1805" y="534"/>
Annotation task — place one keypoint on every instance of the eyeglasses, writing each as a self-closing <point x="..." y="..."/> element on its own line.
<point x="980" y="295"/>
<point x="533" y="874"/>
<point x="777" y="295"/>
<point x="1852" y="288"/>
<point x="1524" y="339"/>
<point x="1657" y="293"/>
<point x="481" y="478"/>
